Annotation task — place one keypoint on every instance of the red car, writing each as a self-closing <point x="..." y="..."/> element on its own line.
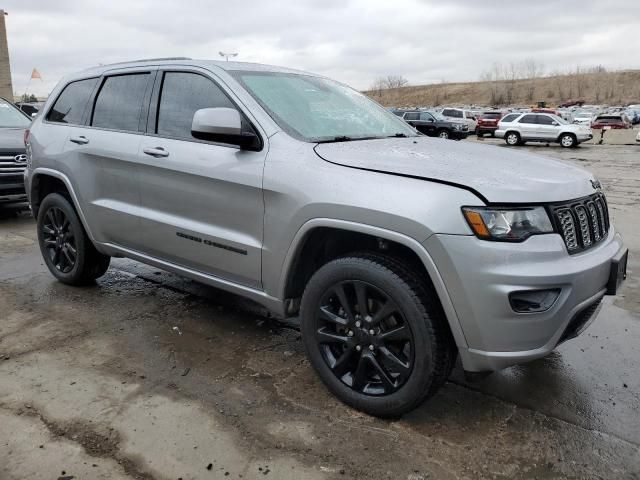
<point x="611" y="121"/>
<point x="488" y="123"/>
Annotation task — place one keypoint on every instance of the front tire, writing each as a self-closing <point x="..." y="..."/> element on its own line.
<point x="568" y="140"/>
<point x="443" y="134"/>
<point x="375" y="334"/>
<point x="64" y="244"/>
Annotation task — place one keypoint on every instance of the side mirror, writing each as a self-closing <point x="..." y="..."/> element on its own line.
<point x="223" y="125"/>
<point x="555" y="124"/>
<point x="34" y="114"/>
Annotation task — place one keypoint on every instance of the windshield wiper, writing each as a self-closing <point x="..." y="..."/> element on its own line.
<point x="344" y="138"/>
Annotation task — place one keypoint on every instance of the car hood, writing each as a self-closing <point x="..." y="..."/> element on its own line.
<point x="495" y="174"/>
<point x="12" y="139"/>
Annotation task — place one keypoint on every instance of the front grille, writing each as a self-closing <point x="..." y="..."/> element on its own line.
<point x="9" y="162"/>
<point x="582" y="223"/>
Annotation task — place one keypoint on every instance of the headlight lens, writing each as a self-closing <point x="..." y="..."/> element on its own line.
<point x="457" y="126"/>
<point x="509" y="225"/>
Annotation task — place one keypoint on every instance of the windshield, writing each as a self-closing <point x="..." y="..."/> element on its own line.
<point x="11" y="117"/>
<point x="317" y="109"/>
<point x="560" y="120"/>
<point x="438" y="116"/>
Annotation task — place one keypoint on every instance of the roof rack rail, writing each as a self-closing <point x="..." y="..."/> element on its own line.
<point x="147" y="60"/>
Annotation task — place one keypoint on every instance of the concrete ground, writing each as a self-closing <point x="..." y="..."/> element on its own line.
<point x="148" y="375"/>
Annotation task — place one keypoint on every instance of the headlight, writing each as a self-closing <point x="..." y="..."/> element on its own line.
<point x="507" y="225"/>
<point x="457" y="126"/>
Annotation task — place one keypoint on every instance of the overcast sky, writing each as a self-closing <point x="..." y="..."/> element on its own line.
<point x="353" y="41"/>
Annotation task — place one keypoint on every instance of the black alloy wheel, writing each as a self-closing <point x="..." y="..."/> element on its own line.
<point x="364" y="338"/>
<point x="59" y="240"/>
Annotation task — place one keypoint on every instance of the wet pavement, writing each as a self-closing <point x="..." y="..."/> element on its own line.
<point x="149" y="375"/>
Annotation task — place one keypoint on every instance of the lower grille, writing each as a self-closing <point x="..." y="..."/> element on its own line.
<point x="575" y="325"/>
<point x="582" y="223"/>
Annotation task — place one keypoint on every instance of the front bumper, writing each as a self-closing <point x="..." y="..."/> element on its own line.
<point x="479" y="275"/>
<point x="459" y="134"/>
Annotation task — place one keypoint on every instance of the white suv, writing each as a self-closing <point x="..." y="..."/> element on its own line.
<point x="518" y="128"/>
<point x="460" y="115"/>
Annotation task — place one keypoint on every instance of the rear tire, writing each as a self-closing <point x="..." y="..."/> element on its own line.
<point x="65" y="246"/>
<point x="410" y="353"/>
<point x="512" y="139"/>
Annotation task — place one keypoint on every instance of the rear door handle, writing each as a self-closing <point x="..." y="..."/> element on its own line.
<point x="81" y="140"/>
<point x="156" y="152"/>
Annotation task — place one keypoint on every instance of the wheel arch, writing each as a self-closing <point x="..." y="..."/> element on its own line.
<point x="44" y="181"/>
<point x="323" y="239"/>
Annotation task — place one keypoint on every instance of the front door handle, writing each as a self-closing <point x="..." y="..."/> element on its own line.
<point x="156" y="152"/>
<point x="81" y="140"/>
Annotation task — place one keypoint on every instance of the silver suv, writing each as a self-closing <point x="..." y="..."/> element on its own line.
<point x="396" y="251"/>
<point x="518" y="128"/>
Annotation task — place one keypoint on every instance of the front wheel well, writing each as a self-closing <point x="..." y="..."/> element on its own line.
<point x="41" y="186"/>
<point x="323" y="244"/>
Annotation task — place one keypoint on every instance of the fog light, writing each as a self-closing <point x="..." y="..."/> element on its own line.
<point x="533" y="301"/>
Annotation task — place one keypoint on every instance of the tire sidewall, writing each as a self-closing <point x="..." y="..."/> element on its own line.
<point x="58" y="201"/>
<point x="413" y="312"/>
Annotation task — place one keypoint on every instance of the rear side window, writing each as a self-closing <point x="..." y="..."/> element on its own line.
<point x="71" y="103"/>
<point x="182" y="94"/>
<point x="412" y="116"/>
<point x="528" y="119"/>
<point x="120" y="101"/>
<point x="510" y="118"/>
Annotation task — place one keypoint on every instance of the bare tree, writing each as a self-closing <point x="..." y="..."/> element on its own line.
<point x="395" y="81"/>
<point x="378" y="86"/>
<point x="532" y="71"/>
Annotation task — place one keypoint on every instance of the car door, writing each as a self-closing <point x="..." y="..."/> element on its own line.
<point x="528" y="126"/>
<point x="548" y="127"/>
<point x="428" y="124"/>
<point x="202" y="202"/>
<point x="101" y="156"/>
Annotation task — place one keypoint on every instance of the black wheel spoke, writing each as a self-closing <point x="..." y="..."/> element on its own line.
<point x="397" y="364"/>
<point x="325" y="336"/>
<point x="343" y="362"/>
<point x="67" y="256"/>
<point x="56" y="257"/>
<point x="397" y="334"/>
<point x="387" y="383"/>
<point x="49" y="243"/>
<point x="360" y="375"/>
<point x="329" y="316"/>
<point x="48" y="230"/>
<point x="361" y="296"/>
<point x="344" y="303"/>
<point x="385" y="311"/>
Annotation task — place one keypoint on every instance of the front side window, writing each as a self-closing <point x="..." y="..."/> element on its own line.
<point x="11" y="117"/>
<point x="528" y="119"/>
<point x="70" y="105"/>
<point x="426" y="117"/>
<point x="546" y="120"/>
<point x="315" y="109"/>
<point x="182" y="94"/>
<point x="119" y="102"/>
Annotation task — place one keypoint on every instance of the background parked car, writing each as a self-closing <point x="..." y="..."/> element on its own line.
<point x="30" y="108"/>
<point x="13" y="158"/>
<point x="517" y="129"/>
<point x="611" y="121"/>
<point x="461" y="115"/>
<point x="434" y="124"/>
<point x="488" y="123"/>
<point x="583" y="117"/>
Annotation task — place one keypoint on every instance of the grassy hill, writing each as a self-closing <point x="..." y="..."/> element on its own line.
<point x="611" y="88"/>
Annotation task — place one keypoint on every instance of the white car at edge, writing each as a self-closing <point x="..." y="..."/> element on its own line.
<point x="518" y="128"/>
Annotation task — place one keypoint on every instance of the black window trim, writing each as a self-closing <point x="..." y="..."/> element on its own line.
<point x="154" y="105"/>
<point x="151" y="71"/>
<point x="83" y="118"/>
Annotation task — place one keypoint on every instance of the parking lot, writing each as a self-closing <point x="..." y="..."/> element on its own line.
<point x="149" y="375"/>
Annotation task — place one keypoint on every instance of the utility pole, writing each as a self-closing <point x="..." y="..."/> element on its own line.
<point x="227" y="55"/>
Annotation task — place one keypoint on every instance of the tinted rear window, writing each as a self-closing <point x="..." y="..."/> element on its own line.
<point x="491" y="115"/>
<point x="510" y="118"/>
<point x="119" y="102"/>
<point x="71" y="103"/>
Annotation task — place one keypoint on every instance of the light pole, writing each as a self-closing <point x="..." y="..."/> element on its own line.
<point x="227" y="55"/>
